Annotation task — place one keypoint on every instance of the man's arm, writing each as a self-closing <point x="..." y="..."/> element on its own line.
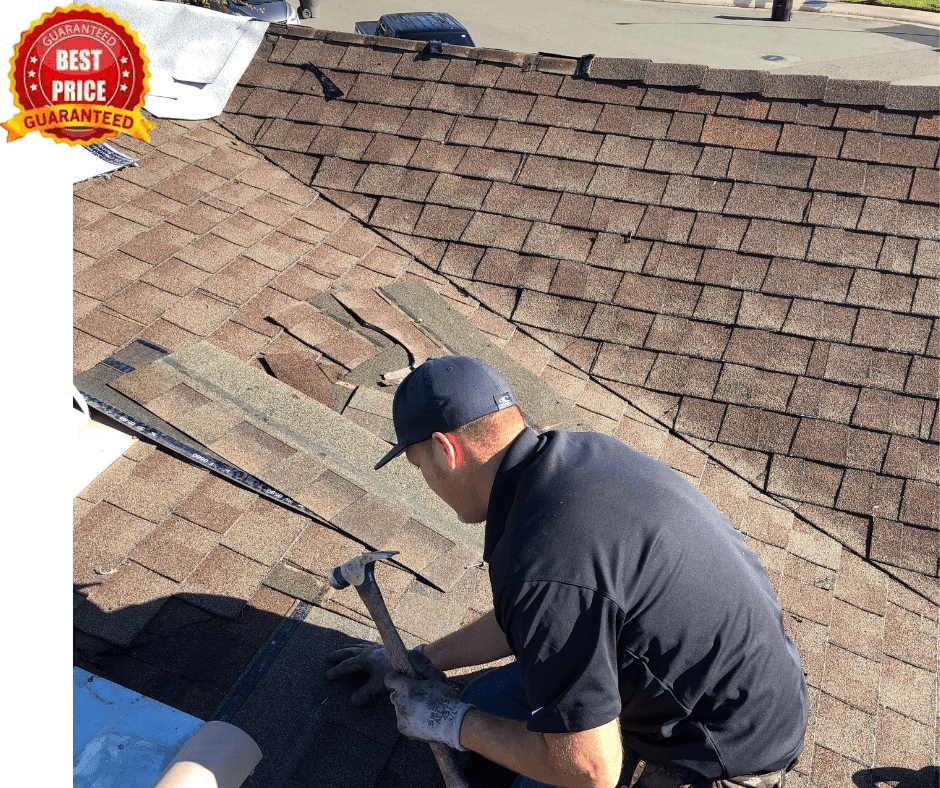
<point x="478" y="643"/>
<point x="429" y="710"/>
<point x="588" y="759"/>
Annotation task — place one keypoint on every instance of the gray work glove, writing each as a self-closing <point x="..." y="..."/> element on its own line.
<point x="427" y="710"/>
<point x="373" y="659"/>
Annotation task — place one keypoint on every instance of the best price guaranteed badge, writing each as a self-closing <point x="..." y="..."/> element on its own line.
<point x="79" y="75"/>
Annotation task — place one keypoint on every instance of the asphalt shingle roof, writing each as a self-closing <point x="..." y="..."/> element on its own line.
<point x="734" y="272"/>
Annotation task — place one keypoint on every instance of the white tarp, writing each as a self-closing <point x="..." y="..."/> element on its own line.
<point x="196" y="56"/>
<point x="121" y="739"/>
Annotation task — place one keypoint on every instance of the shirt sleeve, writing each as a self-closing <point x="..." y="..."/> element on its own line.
<point x="565" y="640"/>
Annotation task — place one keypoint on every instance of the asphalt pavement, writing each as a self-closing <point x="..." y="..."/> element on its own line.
<point x="838" y="40"/>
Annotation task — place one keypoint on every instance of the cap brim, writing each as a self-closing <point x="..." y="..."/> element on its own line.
<point x="396" y="450"/>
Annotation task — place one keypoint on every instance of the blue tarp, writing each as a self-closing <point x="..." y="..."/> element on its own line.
<point x="121" y="739"/>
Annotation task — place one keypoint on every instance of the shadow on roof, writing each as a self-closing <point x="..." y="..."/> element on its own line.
<point x="264" y="673"/>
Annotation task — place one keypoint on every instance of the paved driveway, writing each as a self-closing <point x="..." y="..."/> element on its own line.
<point x="895" y="45"/>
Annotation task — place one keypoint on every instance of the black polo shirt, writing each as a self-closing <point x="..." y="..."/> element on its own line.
<point x="624" y="592"/>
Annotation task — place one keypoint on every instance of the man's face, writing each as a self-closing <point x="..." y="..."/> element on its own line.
<point x="448" y="484"/>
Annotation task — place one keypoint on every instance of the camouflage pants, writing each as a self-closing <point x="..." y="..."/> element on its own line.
<point x="660" y="775"/>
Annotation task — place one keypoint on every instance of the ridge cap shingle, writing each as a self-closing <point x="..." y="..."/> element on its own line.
<point x="855" y="92"/>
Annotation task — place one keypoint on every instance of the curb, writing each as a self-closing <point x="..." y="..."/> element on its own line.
<point x="876" y="12"/>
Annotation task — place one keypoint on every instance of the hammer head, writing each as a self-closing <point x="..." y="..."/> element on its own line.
<point x="358" y="570"/>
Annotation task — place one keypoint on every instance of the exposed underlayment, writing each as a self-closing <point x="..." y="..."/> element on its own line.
<point x="733" y="272"/>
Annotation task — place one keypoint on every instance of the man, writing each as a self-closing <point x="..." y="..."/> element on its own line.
<point x="649" y="645"/>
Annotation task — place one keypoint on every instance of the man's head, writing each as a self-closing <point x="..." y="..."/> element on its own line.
<point x="442" y="395"/>
<point x="454" y="417"/>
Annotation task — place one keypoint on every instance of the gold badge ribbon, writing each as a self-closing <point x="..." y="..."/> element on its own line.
<point x="64" y="116"/>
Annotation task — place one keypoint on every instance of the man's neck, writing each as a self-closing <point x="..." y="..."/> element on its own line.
<point x="485" y="467"/>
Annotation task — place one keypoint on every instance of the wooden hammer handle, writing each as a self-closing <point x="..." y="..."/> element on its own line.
<point x="398" y="654"/>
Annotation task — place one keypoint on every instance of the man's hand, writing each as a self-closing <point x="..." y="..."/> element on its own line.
<point x="428" y="710"/>
<point x="373" y="659"/>
<point x="365" y="658"/>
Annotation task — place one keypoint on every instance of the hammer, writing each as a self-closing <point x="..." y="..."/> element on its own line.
<point x="360" y="572"/>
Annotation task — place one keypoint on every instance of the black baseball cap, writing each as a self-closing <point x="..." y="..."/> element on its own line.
<point x="444" y="394"/>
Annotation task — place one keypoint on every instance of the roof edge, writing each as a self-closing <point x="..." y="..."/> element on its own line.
<point x="804" y="87"/>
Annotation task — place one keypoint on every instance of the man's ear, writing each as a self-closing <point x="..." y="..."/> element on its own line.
<point x="446" y="442"/>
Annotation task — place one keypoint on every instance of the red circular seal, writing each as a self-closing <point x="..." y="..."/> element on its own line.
<point x="79" y="75"/>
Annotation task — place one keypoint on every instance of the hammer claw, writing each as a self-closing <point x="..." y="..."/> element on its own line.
<point x="358" y="570"/>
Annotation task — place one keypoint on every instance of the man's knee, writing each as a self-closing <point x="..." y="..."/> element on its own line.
<point x="499" y="692"/>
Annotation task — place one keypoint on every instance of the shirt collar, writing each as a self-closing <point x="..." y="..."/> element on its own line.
<point x="504" y="488"/>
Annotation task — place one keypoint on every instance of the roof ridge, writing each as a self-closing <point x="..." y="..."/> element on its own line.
<point x="854" y="92"/>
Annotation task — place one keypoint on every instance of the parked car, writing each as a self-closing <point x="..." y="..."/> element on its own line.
<point x="419" y="26"/>
<point x="263" y="10"/>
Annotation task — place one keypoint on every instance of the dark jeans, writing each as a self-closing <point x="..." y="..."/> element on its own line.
<point x="500" y="693"/>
